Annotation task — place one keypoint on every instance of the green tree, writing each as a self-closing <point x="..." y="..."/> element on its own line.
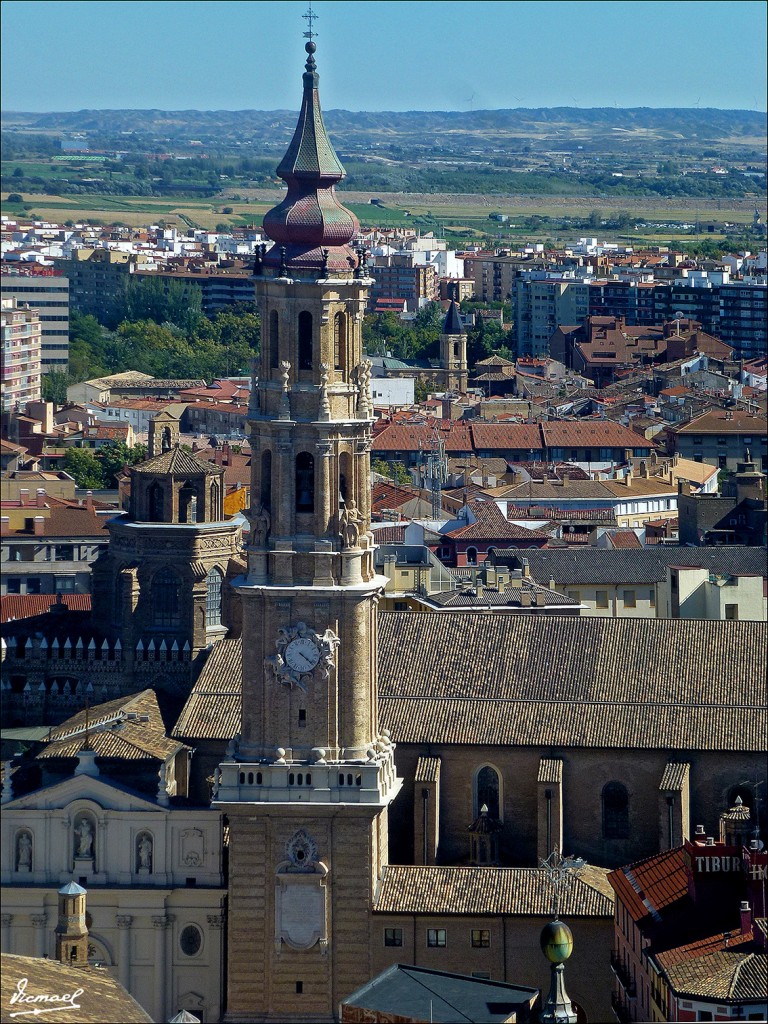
<point x="83" y="466"/>
<point x="420" y="390"/>
<point x="54" y="386"/>
<point x="115" y="455"/>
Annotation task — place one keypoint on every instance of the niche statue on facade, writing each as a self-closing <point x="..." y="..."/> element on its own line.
<point x="144" y="854"/>
<point x="24" y="852"/>
<point x="84" y="840"/>
<point x="260" y="524"/>
<point x="349" y="525"/>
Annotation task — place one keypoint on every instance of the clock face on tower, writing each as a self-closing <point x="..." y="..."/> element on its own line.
<point x="300" y="650"/>
<point x="302" y="654"/>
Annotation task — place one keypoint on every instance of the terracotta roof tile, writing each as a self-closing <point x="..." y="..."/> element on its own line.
<point x="675" y="775"/>
<point x="594" y="433"/>
<point x="178" y="461"/>
<point x="23" y="606"/>
<point x="487" y="890"/>
<point x="494" y="680"/>
<point x="408" y="437"/>
<point x="731" y="974"/>
<point x="507" y="436"/>
<point x="67" y="522"/>
<point x="102" y="998"/>
<point x="491" y="524"/>
<point x="427" y="769"/>
<point x="726" y="421"/>
<point x="212" y="710"/>
<point x="649" y="886"/>
<point x="550" y="770"/>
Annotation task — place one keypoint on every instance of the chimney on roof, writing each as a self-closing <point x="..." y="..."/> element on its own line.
<point x="23" y="496"/>
<point x="628" y="477"/>
<point x="526" y="568"/>
<point x="40" y="497"/>
<point x="39" y="526"/>
<point x="525" y="597"/>
<point x="699" y="833"/>
<point x="746" y="917"/>
<point x="644" y="474"/>
<point x="89" y="500"/>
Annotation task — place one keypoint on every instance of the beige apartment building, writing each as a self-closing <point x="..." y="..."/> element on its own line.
<point x="49" y="296"/>
<point x="21" y="355"/>
<point x="539" y="307"/>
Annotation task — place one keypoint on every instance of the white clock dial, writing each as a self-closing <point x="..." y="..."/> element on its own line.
<point x="302" y="654"/>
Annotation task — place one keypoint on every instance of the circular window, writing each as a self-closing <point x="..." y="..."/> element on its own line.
<point x="191" y="940"/>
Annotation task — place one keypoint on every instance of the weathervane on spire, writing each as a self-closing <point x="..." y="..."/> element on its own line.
<point x="561" y="872"/>
<point x="310" y="17"/>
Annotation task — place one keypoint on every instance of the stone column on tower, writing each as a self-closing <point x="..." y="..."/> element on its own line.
<point x="307" y="786"/>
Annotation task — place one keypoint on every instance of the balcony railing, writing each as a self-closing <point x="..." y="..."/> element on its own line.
<point x="621" y="971"/>
<point x="620" y="1009"/>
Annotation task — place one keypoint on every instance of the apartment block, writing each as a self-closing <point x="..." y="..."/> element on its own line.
<point x="539" y="306"/>
<point x="21" y="355"/>
<point x="398" y="276"/>
<point x="49" y="296"/>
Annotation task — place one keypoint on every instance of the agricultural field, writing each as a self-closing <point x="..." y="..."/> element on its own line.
<point x="461" y="218"/>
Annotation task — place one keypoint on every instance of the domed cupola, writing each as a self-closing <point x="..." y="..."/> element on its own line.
<point x="310" y="224"/>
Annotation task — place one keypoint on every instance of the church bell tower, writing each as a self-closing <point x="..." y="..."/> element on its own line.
<point x="307" y="784"/>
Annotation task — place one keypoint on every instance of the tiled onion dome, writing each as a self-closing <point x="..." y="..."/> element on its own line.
<point x="310" y="223"/>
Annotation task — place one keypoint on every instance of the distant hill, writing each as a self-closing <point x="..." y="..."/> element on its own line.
<point x="699" y="125"/>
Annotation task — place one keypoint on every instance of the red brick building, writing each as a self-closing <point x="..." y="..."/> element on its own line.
<point x="690" y="930"/>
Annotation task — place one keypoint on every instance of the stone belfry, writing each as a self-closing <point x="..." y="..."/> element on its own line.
<point x="453" y="351"/>
<point x="307" y="784"/>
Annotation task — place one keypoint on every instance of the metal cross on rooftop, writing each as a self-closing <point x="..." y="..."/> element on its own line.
<point x="562" y="872"/>
<point x="310" y="17"/>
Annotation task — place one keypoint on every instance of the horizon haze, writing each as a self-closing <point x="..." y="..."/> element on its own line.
<point x="71" y="55"/>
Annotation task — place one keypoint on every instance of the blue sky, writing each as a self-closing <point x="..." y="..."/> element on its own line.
<point x="428" y="55"/>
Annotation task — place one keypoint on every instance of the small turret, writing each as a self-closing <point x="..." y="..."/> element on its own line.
<point x="71" y="930"/>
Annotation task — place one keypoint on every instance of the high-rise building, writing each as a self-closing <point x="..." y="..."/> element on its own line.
<point x="308" y="785"/>
<point x="21" y="355"/>
<point x="47" y="293"/>
<point x="539" y="306"/>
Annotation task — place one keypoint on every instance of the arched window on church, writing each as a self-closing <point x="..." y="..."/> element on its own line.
<point x="156" y="502"/>
<point x="165" y="443"/>
<point x="215" y="510"/>
<point x="305" y="482"/>
<point x="266" y="480"/>
<point x="340" y="342"/>
<point x="213" y="583"/>
<point x="345" y="478"/>
<point x="187" y="504"/>
<point x="615" y="811"/>
<point x="166" y="595"/>
<point x="274" y="340"/>
<point x="305" y="341"/>
<point x="487" y="792"/>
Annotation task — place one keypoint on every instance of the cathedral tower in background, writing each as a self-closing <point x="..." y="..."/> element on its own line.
<point x="307" y="785"/>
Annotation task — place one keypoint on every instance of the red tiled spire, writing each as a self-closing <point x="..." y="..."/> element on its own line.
<point x="310" y="223"/>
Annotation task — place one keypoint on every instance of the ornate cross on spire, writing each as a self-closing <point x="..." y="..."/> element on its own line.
<point x="562" y="872"/>
<point x="310" y="17"/>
